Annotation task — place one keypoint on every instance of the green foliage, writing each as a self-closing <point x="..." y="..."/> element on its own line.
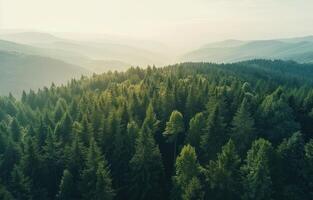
<point x="223" y="175"/>
<point x="146" y="168"/>
<point x="243" y="132"/>
<point x="197" y="128"/>
<point x="215" y="137"/>
<point x="257" y="181"/>
<point x="66" y="187"/>
<point x="116" y="135"/>
<point x="186" y="177"/>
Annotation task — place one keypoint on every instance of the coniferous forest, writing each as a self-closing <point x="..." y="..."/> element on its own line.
<point x="189" y="131"/>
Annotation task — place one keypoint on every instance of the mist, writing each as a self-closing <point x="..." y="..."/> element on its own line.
<point x="180" y="24"/>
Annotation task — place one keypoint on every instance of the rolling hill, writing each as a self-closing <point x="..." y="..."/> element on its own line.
<point x="20" y="72"/>
<point x="297" y="49"/>
<point x="84" y="52"/>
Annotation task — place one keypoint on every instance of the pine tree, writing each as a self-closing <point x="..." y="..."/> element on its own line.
<point x="63" y="129"/>
<point x="10" y="157"/>
<point x="193" y="190"/>
<point x="187" y="171"/>
<point x="291" y="153"/>
<point x="53" y="163"/>
<point x="86" y="131"/>
<point x="277" y="119"/>
<point x="243" y="128"/>
<point x="15" y="130"/>
<point x="104" y="189"/>
<point x="309" y="168"/>
<point x="146" y="169"/>
<point x="257" y="181"/>
<point x="174" y="130"/>
<point x="197" y="128"/>
<point x="151" y="120"/>
<point x="75" y="163"/>
<point x="95" y="174"/>
<point x="214" y="138"/>
<point x="20" y="184"/>
<point x="223" y="175"/>
<point x="66" y="189"/>
<point x="31" y="166"/>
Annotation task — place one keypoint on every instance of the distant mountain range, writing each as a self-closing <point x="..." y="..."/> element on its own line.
<point x="20" y="72"/>
<point x="88" y="53"/>
<point x="33" y="59"/>
<point x="297" y="49"/>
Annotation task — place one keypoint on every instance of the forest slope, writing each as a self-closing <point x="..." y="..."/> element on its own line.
<point x="186" y="131"/>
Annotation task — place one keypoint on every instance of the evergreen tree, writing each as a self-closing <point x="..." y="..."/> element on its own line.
<point x="31" y="166"/>
<point x="215" y="137"/>
<point x="63" y="129"/>
<point x="146" y="169"/>
<point x="174" y="130"/>
<point x="257" y="181"/>
<point x="243" y="128"/>
<point x="291" y="153"/>
<point x="277" y="119"/>
<point x="223" y="175"/>
<point x="15" y="130"/>
<point x="95" y="175"/>
<point x="197" y="128"/>
<point x="104" y="189"/>
<point x="66" y="189"/>
<point x="309" y="168"/>
<point x="20" y="184"/>
<point x="186" y="177"/>
<point x="53" y="162"/>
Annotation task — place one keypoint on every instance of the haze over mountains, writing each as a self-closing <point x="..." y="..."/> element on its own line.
<point x="53" y="59"/>
<point x="48" y="58"/>
<point x="298" y="49"/>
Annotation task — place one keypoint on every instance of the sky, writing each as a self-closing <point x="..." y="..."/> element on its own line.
<point x="177" y="22"/>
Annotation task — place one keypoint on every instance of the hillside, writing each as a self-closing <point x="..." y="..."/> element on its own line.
<point x="20" y="72"/>
<point x="297" y="49"/>
<point x="187" y="131"/>
<point x="83" y="52"/>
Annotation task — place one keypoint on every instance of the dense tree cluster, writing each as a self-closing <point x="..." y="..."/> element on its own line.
<point x="190" y="131"/>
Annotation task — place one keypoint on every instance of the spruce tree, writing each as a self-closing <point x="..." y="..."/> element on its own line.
<point x="67" y="187"/>
<point x="257" y="180"/>
<point x="243" y="128"/>
<point x="186" y="181"/>
<point x="197" y="128"/>
<point x="174" y="130"/>
<point x="146" y="166"/>
<point x="223" y="175"/>
<point x="215" y="136"/>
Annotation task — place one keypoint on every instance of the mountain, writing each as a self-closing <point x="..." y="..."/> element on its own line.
<point x="30" y="37"/>
<point x="85" y="51"/>
<point x="20" y="72"/>
<point x="297" y="49"/>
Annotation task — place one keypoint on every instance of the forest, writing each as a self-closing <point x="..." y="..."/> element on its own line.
<point x="190" y="131"/>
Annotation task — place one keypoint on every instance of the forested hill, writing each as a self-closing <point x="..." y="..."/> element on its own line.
<point x="187" y="131"/>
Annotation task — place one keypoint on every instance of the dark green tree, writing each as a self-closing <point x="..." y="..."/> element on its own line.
<point x="257" y="181"/>
<point x="146" y="169"/>
<point x="174" y="130"/>
<point x="186" y="181"/>
<point x="223" y="175"/>
<point x="214" y="138"/>
<point x="243" y="131"/>
<point x="197" y="128"/>
<point x="67" y="187"/>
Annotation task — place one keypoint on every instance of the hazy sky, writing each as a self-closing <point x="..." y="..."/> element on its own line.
<point x="175" y="21"/>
